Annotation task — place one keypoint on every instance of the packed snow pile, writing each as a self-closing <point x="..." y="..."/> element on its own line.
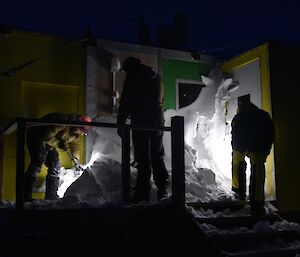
<point x="243" y="211"/>
<point x="103" y="181"/>
<point x="209" y="213"/>
<point x="260" y="226"/>
<point x="207" y="152"/>
<point x="207" y="131"/>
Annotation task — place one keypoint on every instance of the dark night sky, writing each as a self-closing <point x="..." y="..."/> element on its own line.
<point x="216" y="26"/>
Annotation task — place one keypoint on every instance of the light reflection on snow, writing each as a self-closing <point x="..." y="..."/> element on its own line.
<point x="208" y="140"/>
<point x="94" y="157"/>
<point x="67" y="178"/>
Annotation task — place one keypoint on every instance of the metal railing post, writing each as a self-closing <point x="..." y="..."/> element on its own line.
<point x="178" y="166"/>
<point x="126" y="164"/>
<point x="18" y="217"/>
<point x="20" y="164"/>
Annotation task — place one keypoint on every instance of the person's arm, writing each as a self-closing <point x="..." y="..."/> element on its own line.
<point x="74" y="147"/>
<point x="50" y="132"/>
<point x="161" y="91"/>
<point x="50" y="135"/>
<point x="68" y="141"/>
<point x="270" y="132"/>
<point x="237" y="135"/>
<point x="125" y="103"/>
<point x="159" y="100"/>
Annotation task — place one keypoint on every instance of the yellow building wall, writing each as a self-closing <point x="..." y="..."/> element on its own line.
<point x="260" y="54"/>
<point x="53" y="83"/>
<point x="285" y="81"/>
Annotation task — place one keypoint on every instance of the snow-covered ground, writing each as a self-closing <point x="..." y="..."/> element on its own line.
<point x="207" y="166"/>
<point x="260" y="226"/>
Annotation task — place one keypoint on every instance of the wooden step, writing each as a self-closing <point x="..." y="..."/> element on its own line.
<point x="283" y="252"/>
<point x="270" y="235"/>
<point x="248" y="243"/>
<point x="220" y="205"/>
<point x="235" y="221"/>
<point x="259" y="243"/>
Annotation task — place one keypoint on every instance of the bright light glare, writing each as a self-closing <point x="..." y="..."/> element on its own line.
<point x="211" y="138"/>
<point x="218" y="144"/>
<point x="69" y="176"/>
<point x="94" y="157"/>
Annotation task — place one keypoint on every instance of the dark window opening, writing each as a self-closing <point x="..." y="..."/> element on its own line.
<point x="188" y="93"/>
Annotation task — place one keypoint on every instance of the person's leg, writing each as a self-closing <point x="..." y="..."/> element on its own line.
<point x="257" y="181"/>
<point x="52" y="178"/>
<point x="141" y="145"/>
<point x="239" y="174"/>
<point x="38" y="153"/>
<point x="160" y="173"/>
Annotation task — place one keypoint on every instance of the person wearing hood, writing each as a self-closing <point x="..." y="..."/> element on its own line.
<point x="142" y="101"/>
<point x="43" y="141"/>
<point x="252" y="136"/>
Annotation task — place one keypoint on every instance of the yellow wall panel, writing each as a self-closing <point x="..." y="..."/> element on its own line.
<point x="54" y="83"/>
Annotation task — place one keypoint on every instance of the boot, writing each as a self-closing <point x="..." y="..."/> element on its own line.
<point x="138" y="197"/>
<point x="240" y="193"/>
<point x="29" y="181"/>
<point x="141" y="194"/>
<point x="242" y="179"/>
<point x="51" y="188"/>
<point x="161" y="194"/>
<point x="257" y="210"/>
<point x="161" y="178"/>
<point x="142" y="188"/>
<point x="162" y="190"/>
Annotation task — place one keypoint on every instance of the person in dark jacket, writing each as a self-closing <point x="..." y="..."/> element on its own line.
<point x="252" y="136"/>
<point x="142" y="101"/>
<point x="43" y="142"/>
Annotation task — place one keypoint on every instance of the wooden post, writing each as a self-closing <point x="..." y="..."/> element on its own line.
<point x="178" y="166"/>
<point x="126" y="164"/>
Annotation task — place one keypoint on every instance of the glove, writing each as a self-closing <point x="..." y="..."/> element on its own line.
<point x="76" y="164"/>
<point x="75" y="161"/>
<point x="77" y="167"/>
<point x="134" y="164"/>
<point x="61" y="145"/>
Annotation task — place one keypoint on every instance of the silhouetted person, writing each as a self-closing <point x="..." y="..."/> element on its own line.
<point x="252" y="136"/>
<point x="43" y="142"/>
<point x="142" y="100"/>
